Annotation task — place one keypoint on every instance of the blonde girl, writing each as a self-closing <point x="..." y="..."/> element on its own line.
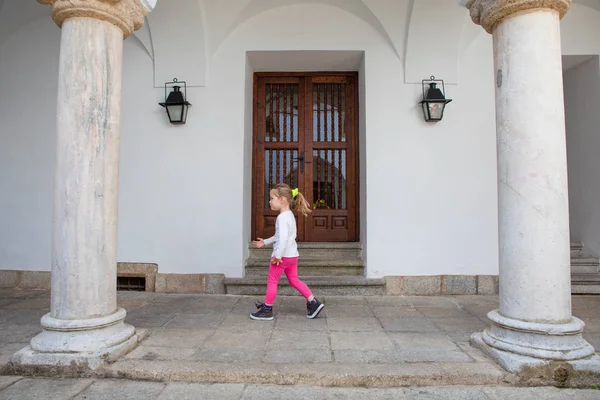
<point x="285" y="251"/>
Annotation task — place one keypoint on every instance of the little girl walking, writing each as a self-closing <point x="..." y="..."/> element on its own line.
<point x="285" y="251"/>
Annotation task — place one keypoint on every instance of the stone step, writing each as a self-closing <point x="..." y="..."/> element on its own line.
<point x="311" y="267"/>
<point x="585" y="283"/>
<point x="301" y="373"/>
<point x="320" y="285"/>
<point x="581" y="265"/>
<point x="316" y="250"/>
<point x="576" y="248"/>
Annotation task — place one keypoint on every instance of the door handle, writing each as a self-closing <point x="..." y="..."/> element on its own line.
<point x="301" y="159"/>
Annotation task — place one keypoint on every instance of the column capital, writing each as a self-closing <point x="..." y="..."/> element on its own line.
<point x="127" y="15"/>
<point x="489" y="13"/>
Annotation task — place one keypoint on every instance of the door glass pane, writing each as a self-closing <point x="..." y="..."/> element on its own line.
<point x="329" y="112"/>
<point x="281" y="166"/>
<point x="281" y="112"/>
<point x="329" y="179"/>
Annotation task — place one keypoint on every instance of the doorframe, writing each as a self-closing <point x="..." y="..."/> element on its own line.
<point x="355" y="140"/>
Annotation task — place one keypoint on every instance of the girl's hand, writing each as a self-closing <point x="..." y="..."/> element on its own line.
<point x="275" y="261"/>
<point x="258" y="243"/>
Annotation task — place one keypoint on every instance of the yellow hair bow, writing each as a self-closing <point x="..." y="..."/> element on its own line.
<point x="295" y="192"/>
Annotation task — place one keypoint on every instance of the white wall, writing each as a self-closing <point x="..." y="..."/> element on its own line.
<point x="582" y="96"/>
<point x="429" y="190"/>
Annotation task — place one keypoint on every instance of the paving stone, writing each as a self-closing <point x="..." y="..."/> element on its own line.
<point x="144" y="352"/>
<point x="430" y="301"/>
<point x="344" y="300"/>
<point x="199" y="391"/>
<point x="44" y="389"/>
<point x="360" y="341"/>
<point x="122" y="390"/>
<point x="437" y="355"/>
<point x="408" y="324"/>
<point x="23" y="317"/>
<point x="518" y="393"/>
<point x="147" y="319"/>
<point x="7" y="351"/>
<point x="270" y="392"/>
<point x="297" y="356"/>
<point x="474" y="353"/>
<point x="18" y="333"/>
<point x="40" y="304"/>
<point x="230" y="355"/>
<point x="363" y="394"/>
<point x="227" y="339"/>
<point x="358" y="324"/>
<point x="396" y="312"/>
<point x="301" y="323"/>
<point x="348" y="311"/>
<point x="592" y="325"/>
<point x="365" y="356"/>
<point x="412" y="341"/>
<point x="195" y="321"/>
<point x="8" y="380"/>
<point x="443" y="312"/>
<point x="178" y="337"/>
<point x="445" y="393"/>
<point x="243" y="323"/>
<point x="468" y="324"/>
<point x="294" y="340"/>
<point x="389" y="301"/>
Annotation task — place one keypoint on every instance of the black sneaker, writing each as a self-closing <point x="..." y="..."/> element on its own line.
<point x="313" y="309"/>
<point x="262" y="314"/>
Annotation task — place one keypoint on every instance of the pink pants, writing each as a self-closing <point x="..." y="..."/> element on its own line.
<point x="289" y="265"/>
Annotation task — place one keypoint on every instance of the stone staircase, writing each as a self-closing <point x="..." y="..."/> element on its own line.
<point x="329" y="269"/>
<point x="585" y="271"/>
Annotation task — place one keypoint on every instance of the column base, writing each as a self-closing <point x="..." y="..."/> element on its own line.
<point x="539" y="353"/>
<point x="78" y="345"/>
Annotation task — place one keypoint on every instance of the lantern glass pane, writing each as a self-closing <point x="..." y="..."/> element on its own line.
<point x="436" y="110"/>
<point x="425" y="111"/>
<point x="175" y="112"/>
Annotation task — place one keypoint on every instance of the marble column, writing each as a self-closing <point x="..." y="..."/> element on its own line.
<point x="533" y="326"/>
<point x="85" y="327"/>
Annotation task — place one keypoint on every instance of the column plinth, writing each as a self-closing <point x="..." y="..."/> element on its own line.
<point x="533" y="326"/>
<point x="85" y="327"/>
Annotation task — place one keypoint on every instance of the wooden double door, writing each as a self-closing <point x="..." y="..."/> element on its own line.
<point x="305" y="135"/>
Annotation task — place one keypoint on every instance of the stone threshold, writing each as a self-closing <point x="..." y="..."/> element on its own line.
<point x="336" y="375"/>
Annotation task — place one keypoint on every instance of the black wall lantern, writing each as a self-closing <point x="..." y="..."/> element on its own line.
<point x="176" y="103"/>
<point x="434" y="100"/>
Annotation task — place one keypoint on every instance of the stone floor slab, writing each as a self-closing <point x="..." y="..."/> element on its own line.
<point x="360" y="341"/>
<point x="396" y="312"/>
<point x="268" y="392"/>
<point x="195" y="321"/>
<point x="198" y="391"/>
<point x="425" y="340"/>
<point x="122" y="390"/>
<point x="364" y="394"/>
<point x="230" y="355"/>
<point x="301" y="323"/>
<point x="443" y="312"/>
<point x="145" y="352"/>
<point x="298" y="356"/>
<point x="178" y="337"/>
<point x="6" y="381"/>
<point x="365" y="356"/>
<point x="445" y="393"/>
<point x="348" y="311"/>
<point x="224" y="338"/>
<point x="357" y="324"/>
<point x="408" y="324"/>
<point x="437" y="355"/>
<point x="297" y="340"/>
<point x="45" y="389"/>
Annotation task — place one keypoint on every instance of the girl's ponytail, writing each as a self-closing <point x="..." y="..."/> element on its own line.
<point x="301" y="205"/>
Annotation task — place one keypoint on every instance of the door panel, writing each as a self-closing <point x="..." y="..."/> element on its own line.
<point x="304" y="135"/>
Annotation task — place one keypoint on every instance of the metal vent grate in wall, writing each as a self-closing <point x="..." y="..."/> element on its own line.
<point x="131" y="283"/>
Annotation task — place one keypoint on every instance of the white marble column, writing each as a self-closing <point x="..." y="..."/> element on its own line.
<point x="85" y="327"/>
<point x="533" y="325"/>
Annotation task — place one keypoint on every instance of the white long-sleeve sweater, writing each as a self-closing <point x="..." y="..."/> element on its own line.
<point x="284" y="241"/>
